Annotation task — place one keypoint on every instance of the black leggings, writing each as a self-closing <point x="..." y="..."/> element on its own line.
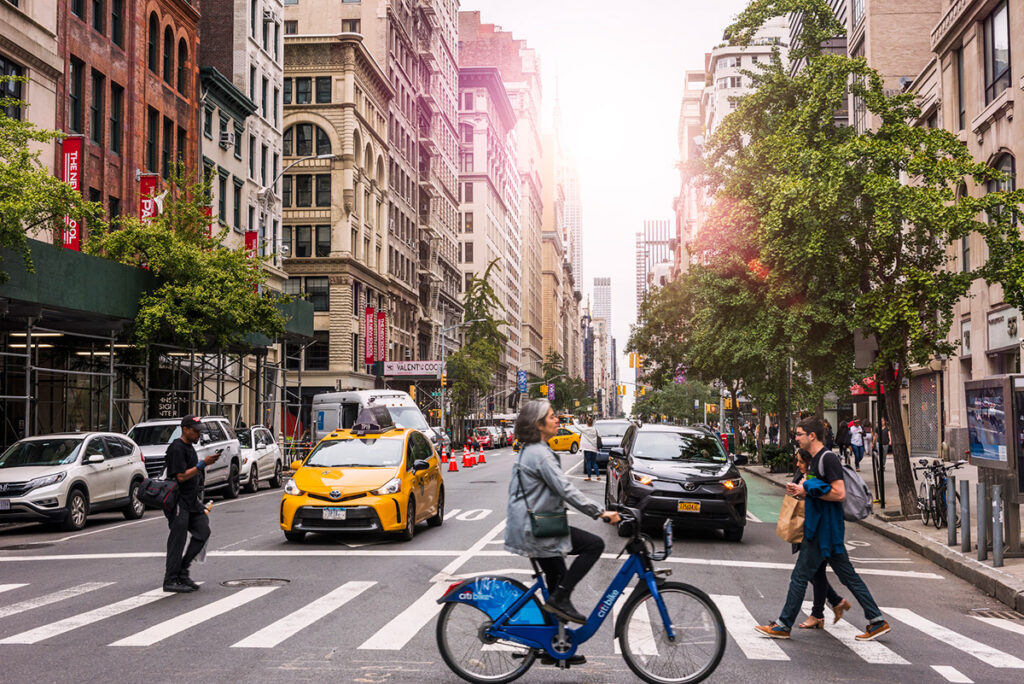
<point x="586" y="547"/>
<point x="822" y="591"/>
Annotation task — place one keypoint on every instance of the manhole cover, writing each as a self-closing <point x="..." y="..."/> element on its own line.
<point x="25" y="547"/>
<point x="255" y="582"/>
<point x="1006" y="614"/>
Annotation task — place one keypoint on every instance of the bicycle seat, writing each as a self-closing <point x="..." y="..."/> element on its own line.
<point x="923" y="462"/>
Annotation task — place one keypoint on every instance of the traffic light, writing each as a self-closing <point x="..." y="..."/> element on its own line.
<point x="643" y="391"/>
<point x="728" y="404"/>
<point x="633" y="359"/>
<point x="444" y="378"/>
<point x="412" y="392"/>
<point x="577" y="404"/>
<point x="711" y="408"/>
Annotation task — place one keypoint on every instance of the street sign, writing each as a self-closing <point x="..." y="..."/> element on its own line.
<point x="521" y="381"/>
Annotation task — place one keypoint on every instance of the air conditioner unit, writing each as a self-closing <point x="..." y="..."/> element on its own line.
<point x="227" y="139"/>
<point x="268" y="16"/>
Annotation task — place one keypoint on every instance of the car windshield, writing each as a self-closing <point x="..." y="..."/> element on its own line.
<point x="678" y="446"/>
<point x="482" y="432"/>
<point x="245" y="439"/>
<point x="407" y="417"/>
<point x="385" y="452"/>
<point x="147" y="435"/>
<point x="615" y="428"/>
<point x="41" y="452"/>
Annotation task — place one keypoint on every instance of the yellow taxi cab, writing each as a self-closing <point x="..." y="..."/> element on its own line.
<point x="372" y="478"/>
<point x="564" y="440"/>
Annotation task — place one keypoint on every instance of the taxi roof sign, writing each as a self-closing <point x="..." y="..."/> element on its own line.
<point x="373" y="419"/>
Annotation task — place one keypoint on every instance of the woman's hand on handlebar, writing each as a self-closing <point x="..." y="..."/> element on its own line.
<point x="611" y="517"/>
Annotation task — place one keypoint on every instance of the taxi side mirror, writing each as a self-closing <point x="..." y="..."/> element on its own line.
<point x="295" y="465"/>
<point x="419" y="465"/>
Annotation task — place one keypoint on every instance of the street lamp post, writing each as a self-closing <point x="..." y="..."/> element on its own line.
<point x="444" y="353"/>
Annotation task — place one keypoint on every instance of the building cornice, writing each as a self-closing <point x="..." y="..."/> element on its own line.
<point x="225" y="92"/>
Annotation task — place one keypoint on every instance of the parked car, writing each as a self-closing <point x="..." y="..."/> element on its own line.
<point x="215" y="434"/>
<point x="680" y="473"/>
<point x="483" y="437"/>
<point x="261" y="458"/>
<point x="609" y="436"/>
<point x="497" y="439"/>
<point x="63" y="478"/>
<point x="506" y="435"/>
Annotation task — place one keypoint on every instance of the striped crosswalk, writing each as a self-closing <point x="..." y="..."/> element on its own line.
<point x="282" y="619"/>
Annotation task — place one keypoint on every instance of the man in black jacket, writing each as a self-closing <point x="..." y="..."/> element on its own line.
<point x="189" y="516"/>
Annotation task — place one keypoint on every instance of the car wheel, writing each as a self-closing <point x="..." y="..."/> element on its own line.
<point x="624" y="530"/>
<point x="733" y="535"/>
<point x="410" y="522"/>
<point x="438" y="518"/>
<point x="253" y="485"/>
<point x="135" y="508"/>
<point x="233" y="485"/>
<point x="294" y="536"/>
<point x="78" y="511"/>
<point x="574" y="448"/>
<point x="275" y="480"/>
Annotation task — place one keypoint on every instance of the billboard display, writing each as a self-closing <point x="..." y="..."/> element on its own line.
<point x="987" y="424"/>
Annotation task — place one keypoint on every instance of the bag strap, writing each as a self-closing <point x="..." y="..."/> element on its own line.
<point x="522" y="489"/>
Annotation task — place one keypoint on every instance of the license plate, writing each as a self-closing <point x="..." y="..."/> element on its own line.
<point x="5" y="504"/>
<point x="334" y="514"/>
<point x="688" y="506"/>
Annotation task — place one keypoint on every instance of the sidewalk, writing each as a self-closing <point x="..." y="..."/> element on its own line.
<point x="1006" y="583"/>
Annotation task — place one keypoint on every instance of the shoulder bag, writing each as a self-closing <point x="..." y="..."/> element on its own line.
<point x="162" y="494"/>
<point x="544" y="524"/>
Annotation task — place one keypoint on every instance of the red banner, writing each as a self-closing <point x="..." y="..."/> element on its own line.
<point x="369" y="327"/>
<point x="382" y="336"/>
<point x="251" y="236"/>
<point x="208" y="213"/>
<point x="71" y="170"/>
<point x="147" y="188"/>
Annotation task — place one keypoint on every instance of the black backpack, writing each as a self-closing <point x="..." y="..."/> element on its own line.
<point x="162" y="494"/>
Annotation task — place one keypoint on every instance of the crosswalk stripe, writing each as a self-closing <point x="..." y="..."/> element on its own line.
<point x="951" y="674"/>
<point x="641" y="636"/>
<point x="56" y="596"/>
<point x="289" y="625"/>
<point x="8" y="587"/>
<point x="1001" y="623"/>
<point x="984" y="653"/>
<point x="82" y="619"/>
<point x="870" y="651"/>
<point x="615" y="613"/>
<point x="397" y="633"/>
<point x="169" y="628"/>
<point x="740" y="624"/>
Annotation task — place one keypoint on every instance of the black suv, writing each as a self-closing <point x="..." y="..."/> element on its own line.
<point x="684" y="474"/>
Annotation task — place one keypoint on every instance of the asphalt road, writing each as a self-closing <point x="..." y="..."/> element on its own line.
<point x="87" y="606"/>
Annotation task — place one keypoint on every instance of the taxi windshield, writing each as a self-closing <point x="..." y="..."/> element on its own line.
<point x="374" y="452"/>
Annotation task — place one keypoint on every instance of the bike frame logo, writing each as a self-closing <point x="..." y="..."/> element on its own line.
<point x="608" y="602"/>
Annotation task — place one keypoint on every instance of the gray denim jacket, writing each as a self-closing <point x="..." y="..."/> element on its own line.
<point x="548" y="490"/>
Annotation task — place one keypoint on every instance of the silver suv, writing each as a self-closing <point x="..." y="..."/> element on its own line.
<point x="215" y="433"/>
<point x="62" y="478"/>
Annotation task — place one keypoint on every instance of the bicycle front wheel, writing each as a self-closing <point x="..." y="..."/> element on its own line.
<point x="697" y="626"/>
<point x="473" y="656"/>
<point x="939" y="512"/>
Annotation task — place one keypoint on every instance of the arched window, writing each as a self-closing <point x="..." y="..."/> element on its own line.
<point x="308" y="139"/>
<point x="380" y="171"/>
<point x="154" y="37"/>
<point x="1008" y="165"/>
<point x="182" y="66"/>
<point x="368" y="160"/>
<point x="168" y="55"/>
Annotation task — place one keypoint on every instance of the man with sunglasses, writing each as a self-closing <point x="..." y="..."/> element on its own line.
<point x="824" y="536"/>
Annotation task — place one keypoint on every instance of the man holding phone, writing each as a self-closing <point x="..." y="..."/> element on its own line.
<point x="189" y="515"/>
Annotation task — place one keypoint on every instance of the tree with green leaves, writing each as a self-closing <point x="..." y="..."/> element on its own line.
<point x="569" y="391"/>
<point x="676" y="402"/>
<point x="31" y="198"/>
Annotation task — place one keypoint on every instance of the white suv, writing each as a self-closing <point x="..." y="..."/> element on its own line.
<point x="64" y="477"/>
<point x="261" y="458"/>
<point x="215" y="433"/>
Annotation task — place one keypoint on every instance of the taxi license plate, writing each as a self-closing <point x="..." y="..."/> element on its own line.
<point x="688" y="506"/>
<point x="334" y="513"/>
<point x="5" y="504"/>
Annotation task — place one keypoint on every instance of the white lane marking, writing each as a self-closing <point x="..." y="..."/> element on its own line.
<point x="474" y="514"/>
<point x="740" y="624"/>
<point x="870" y="651"/>
<point x="985" y="654"/>
<point x="451" y="513"/>
<point x="273" y="634"/>
<point x="880" y="560"/>
<point x="951" y="674"/>
<point x="53" y="629"/>
<point x="753" y="518"/>
<point x="169" y="628"/>
<point x="475" y="550"/>
<point x="8" y="587"/>
<point x="47" y="599"/>
<point x="397" y="633"/>
<point x="1001" y="623"/>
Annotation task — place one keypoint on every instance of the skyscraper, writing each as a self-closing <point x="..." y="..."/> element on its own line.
<point x="603" y="299"/>
<point x="652" y="249"/>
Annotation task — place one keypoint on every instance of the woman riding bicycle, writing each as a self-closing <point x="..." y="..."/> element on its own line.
<point x="540" y="486"/>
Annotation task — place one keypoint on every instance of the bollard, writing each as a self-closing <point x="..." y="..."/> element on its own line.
<point x="997" y="526"/>
<point x="982" y="523"/>
<point x="965" y="516"/>
<point x="950" y="511"/>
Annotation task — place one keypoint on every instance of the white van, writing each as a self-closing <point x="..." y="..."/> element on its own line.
<point x="338" y="410"/>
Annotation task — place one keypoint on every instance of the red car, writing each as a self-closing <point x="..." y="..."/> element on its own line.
<point x="483" y="437"/>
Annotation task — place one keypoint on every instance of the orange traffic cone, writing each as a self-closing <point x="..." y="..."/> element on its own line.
<point x="465" y="456"/>
<point x="453" y="466"/>
<point x="480" y="456"/>
<point x="444" y="455"/>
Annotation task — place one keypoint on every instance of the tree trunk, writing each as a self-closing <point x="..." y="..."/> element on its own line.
<point x="898" y="440"/>
<point x="780" y="411"/>
<point x="819" y="408"/>
<point x="760" y="435"/>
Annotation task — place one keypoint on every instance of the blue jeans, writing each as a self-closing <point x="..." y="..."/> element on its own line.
<point x="858" y="454"/>
<point x="807" y="564"/>
<point x="590" y="464"/>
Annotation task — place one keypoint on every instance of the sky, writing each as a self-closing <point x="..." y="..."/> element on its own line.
<point x="619" y="70"/>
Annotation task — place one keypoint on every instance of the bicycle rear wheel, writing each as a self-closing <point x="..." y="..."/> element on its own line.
<point x="939" y="512"/>
<point x="698" y="627"/>
<point x="471" y="655"/>
<point x="924" y="502"/>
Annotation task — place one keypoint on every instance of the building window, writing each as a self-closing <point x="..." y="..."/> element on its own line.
<point x="323" y="190"/>
<point x="96" y="107"/>
<point x="222" y="198"/>
<point x="11" y="89"/>
<point x="238" y="142"/>
<point x="263" y="97"/>
<point x="303" y="90"/>
<point x="323" y="241"/>
<point x="165" y="157"/>
<point x="168" y="56"/>
<point x="467" y="133"/>
<point x="468" y="223"/>
<point x="351" y="26"/>
<point x="286" y="191"/>
<point x="152" y="131"/>
<point x="466" y="162"/>
<point x="75" y="95"/>
<point x="318" y="354"/>
<point x="114" y="207"/>
<point x="181" y="144"/>
<point x="469" y="193"/>
<point x="273" y="103"/>
<point x="286" y="142"/>
<point x="357" y="358"/>
<point x="277" y="41"/>
<point x="182" y="66"/>
<point x="469" y="252"/>
<point x="960" y="90"/>
<point x="965" y="253"/>
<point x="263" y="165"/>
<point x="997" y="52"/>
<point x="287" y="97"/>
<point x="153" y="50"/>
<point x="78" y="8"/>
<point x="252" y="18"/>
<point x="318" y="293"/>
<point x="99" y="15"/>
<point x="300" y="239"/>
<point x="208" y="123"/>
<point x="117" y="22"/>
<point x="467" y="101"/>
<point x="252" y="156"/>
<point x="303" y="190"/>
<point x="1007" y="165"/>
<point x="323" y="89"/>
<point x="237" y="215"/>
<point x="116" y="116"/>
<point x="291" y="27"/>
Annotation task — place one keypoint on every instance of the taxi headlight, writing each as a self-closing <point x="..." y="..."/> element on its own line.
<point x="393" y="486"/>
<point x="292" y="488"/>
<point x="46" y="480"/>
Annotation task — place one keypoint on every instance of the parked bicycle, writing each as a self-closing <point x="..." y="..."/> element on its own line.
<point x="492" y="628"/>
<point x="931" y="496"/>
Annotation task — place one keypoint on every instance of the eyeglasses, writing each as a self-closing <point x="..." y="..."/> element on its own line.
<point x="801" y="434"/>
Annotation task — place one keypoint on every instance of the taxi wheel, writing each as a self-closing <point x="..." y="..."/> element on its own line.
<point x="410" y="522"/>
<point x="574" y="448"/>
<point x="438" y="518"/>
<point x="294" y="536"/>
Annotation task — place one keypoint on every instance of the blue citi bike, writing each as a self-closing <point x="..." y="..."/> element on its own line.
<point x="492" y="628"/>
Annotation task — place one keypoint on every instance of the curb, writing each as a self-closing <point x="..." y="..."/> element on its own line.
<point x="1004" y="587"/>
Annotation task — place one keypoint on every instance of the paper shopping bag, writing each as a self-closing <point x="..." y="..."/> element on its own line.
<point x="791" y="520"/>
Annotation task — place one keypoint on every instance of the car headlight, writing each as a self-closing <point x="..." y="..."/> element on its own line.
<point x="291" y="488"/>
<point x="733" y="483"/>
<point x="393" y="486"/>
<point x="46" y="480"/>
<point x="643" y="478"/>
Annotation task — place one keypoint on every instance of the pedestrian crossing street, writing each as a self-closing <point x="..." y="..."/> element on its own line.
<point x="352" y="605"/>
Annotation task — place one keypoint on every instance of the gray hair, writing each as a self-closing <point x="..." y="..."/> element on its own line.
<point x="530" y="414"/>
